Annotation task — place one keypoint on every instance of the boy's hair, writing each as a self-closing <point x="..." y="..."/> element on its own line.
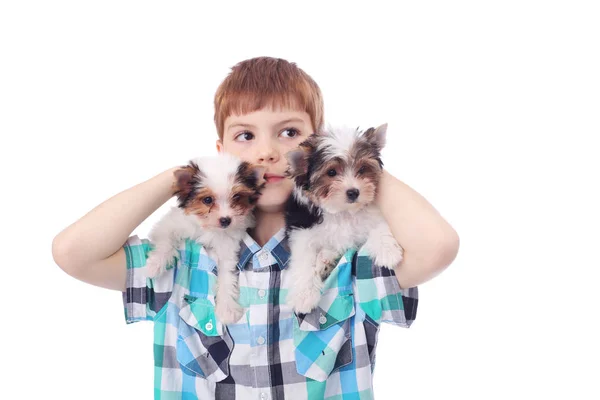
<point x="266" y="81"/>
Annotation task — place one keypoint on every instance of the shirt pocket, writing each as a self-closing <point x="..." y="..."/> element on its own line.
<point x="203" y="343"/>
<point x="322" y="338"/>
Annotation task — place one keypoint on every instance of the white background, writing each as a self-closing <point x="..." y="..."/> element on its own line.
<point x="494" y="115"/>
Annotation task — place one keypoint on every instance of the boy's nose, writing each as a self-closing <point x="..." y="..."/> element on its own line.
<point x="267" y="157"/>
<point x="268" y="152"/>
<point x="224" y="221"/>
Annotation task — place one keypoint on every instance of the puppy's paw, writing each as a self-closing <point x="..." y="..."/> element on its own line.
<point x="326" y="262"/>
<point x="157" y="263"/>
<point x="304" y="300"/>
<point x="385" y="252"/>
<point x="228" y="311"/>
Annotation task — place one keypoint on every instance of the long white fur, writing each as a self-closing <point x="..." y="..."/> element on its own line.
<point x="313" y="250"/>
<point x="222" y="245"/>
<point x="339" y="140"/>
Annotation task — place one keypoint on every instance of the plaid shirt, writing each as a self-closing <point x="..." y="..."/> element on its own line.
<point x="270" y="353"/>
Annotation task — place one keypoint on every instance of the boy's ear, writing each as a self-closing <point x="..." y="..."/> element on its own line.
<point x="219" y="145"/>
<point x="376" y="136"/>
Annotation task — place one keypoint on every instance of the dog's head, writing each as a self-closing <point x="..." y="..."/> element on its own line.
<point x="220" y="190"/>
<point x="338" y="169"/>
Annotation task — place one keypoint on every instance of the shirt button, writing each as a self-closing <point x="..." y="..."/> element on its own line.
<point x="264" y="255"/>
<point x="260" y="340"/>
<point x="263" y="396"/>
<point x="262" y="293"/>
<point x="209" y="326"/>
<point x="322" y="319"/>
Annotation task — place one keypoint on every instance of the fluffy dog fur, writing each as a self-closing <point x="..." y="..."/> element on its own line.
<point x="215" y="197"/>
<point x="336" y="174"/>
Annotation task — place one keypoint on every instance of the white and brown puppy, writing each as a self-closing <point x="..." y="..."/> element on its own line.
<point x="215" y="196"/>
<point x="336" y="173"/>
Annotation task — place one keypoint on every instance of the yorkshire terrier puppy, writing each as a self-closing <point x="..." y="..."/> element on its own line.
<point x="336" y="174"/>
<point x="215" y="199"/>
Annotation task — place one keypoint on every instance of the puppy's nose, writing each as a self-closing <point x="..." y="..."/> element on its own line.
<point x="224" y="221"/>
<point x="352" y="194"/>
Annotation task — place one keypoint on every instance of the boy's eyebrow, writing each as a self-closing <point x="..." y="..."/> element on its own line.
<point x="249" y="126"/>
<point x="241" y="126"/>
<point x="287" y="121"/>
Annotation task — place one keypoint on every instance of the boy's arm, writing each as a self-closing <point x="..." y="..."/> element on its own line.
<point x="430" y="244"/>
<point x="91" y="249"/>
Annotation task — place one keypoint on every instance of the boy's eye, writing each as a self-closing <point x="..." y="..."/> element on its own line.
<point x="332" y="172"/>
<point x="207" y="200"/>
<point x="244" y="136"/>
<point x="290" y="132"/>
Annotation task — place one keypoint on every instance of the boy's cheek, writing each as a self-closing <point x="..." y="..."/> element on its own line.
<point x="242" y="155"/>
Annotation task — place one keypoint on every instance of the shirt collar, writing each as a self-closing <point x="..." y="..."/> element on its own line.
<point x="277" y="246"/>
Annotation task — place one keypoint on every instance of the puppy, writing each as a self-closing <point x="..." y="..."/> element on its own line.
<point x="215" y="197"/>
<point x="336" y="174"/>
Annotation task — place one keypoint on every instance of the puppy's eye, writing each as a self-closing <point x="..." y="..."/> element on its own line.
<point x="332" y="172"/>
<point x="236" y="197"/>
<point x="207" y="200"/>
<point x="362" y="170"/>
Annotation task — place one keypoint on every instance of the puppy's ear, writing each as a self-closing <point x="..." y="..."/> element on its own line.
<point x="297" y="163"/>
<point x="376" y="136"/>
<point x="184" y="182"/>
<point x="258" y="171"/>
<point x="298" y="159"/>
<point x="251" y="175"/>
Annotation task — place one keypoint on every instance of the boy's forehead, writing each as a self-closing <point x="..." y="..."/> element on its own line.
<point x="267" y="117"/>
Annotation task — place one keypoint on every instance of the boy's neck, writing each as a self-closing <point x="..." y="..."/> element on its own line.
<point x="267" y="225"/>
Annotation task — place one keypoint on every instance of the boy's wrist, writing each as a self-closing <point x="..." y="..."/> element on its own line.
<point x="169" y="176"/>
<point x="384" y="181"/>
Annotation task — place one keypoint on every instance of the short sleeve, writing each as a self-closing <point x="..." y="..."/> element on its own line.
<point x="379" y="294"/>
<point x="143" y="297"/>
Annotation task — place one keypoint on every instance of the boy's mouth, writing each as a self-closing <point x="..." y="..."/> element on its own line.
<point x="273" y="178"/>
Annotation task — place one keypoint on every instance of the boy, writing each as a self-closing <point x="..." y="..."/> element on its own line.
<point x="263" y="109"/>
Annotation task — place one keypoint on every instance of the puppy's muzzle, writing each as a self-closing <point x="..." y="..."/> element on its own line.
<point x="224" y="221"/>
<point x="352" y="195"/>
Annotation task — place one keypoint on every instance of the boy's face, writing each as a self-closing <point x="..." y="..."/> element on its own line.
<point x="264" y="137"/>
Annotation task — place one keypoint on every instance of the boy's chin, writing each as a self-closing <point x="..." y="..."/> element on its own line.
<point x="274" y="199"/>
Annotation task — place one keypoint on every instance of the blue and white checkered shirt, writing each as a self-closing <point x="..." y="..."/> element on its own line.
<point x="270" y="353"/>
